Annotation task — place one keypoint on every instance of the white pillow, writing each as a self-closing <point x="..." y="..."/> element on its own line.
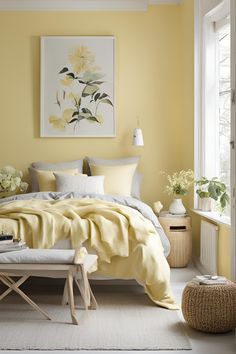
<point x="80" y="184"/>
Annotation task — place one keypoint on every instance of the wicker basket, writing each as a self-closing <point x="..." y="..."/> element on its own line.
<point x="210" y="308"/>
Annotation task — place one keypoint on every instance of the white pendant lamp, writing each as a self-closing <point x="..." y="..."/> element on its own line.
<point x="138" y="137"/>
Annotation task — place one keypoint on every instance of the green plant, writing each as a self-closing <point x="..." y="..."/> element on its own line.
<point x="179" y="182"/>
<point x="213" y="188"/>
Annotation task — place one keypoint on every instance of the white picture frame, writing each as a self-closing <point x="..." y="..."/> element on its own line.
<point x="77" y="86"/>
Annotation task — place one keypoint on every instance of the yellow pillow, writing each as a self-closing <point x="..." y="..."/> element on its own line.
<point x="47" y="181"/>
<point x="118" y="179"/>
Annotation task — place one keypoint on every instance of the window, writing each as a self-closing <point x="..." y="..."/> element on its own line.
<point x="214" y="101"/>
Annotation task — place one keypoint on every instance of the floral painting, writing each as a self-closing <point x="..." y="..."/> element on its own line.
<point x="77" y="87"/>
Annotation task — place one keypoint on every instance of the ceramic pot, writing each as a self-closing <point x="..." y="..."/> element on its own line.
<point x="207" y="204"/>
<point x="177" y="207"/>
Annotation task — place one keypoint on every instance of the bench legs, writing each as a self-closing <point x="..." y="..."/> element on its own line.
<point x="65" y="298"/>
<point x="71" y="297"/>
<point x="14" y="286"/>
<point x="81" y="281"/>
<point x="85" y="290"/>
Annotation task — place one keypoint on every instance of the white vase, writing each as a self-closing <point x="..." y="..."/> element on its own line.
<point x="177" y="207"/>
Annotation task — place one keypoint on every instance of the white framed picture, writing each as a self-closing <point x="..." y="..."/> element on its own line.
<point x="77" y="87"/>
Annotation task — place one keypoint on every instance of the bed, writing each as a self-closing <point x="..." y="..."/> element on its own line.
<point x="122" y="230"/>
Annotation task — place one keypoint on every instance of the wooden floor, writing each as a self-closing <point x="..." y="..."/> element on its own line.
<point x="201" y="343"/>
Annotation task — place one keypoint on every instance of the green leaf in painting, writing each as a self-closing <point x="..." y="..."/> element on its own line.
<point x="64" y="70"/>
<point x="97" y="82"/>
<point x="104" y="95"/>
<point x="71" y="75"/>
<point x="75" y="114"/>
<point x="91" y="76"/>
<point x="96" y="96"/>
<point x="89" y="90"/>
<point x="86" y="110"/>
<point x="93" y="119"/>
<point x="106" y="100"/>
<point x="73" y="120"/>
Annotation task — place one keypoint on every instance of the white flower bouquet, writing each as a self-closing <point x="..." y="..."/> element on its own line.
<point x="11" y="181"/>
<point x="179" y="182"/>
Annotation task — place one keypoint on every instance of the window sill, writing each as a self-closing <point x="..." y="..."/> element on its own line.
<point x="214" y="216"/>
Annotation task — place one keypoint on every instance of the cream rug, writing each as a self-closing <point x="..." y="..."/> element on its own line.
<point x="123" y="321"/>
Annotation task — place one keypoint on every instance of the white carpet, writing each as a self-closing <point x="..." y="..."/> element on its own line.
<point x="123" y="321"/>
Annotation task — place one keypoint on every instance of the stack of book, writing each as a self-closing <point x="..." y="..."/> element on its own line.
<point x="8" y="244"/>
<point x="209" y="280"/>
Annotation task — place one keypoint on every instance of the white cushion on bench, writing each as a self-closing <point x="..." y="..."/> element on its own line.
<point x="42" y="256"/>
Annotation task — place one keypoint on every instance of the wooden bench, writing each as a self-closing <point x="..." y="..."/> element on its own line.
<point x="73" y="265"/>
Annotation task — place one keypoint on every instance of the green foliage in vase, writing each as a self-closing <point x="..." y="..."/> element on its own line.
<point x="179" y="182"/>
<point x="213" y="188"/>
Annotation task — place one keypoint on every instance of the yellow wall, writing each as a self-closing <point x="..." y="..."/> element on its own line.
<point x="149" y="85"/>
<point x="224" y="251"/>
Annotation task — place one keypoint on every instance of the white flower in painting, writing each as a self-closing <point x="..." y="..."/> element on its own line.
<point x="81" y="59"/>
<point x="60" y="123"/>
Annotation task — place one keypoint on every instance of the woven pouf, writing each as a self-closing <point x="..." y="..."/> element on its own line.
<point x="210" y="308"/>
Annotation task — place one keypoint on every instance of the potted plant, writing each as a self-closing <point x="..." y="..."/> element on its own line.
<point x="178" y="186"/>
<point x="209" y="190"/>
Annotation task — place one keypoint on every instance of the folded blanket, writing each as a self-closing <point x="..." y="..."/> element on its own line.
<point x="126" y="243"/>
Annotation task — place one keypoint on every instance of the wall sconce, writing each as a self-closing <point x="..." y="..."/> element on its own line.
<point x="138" y="137"/>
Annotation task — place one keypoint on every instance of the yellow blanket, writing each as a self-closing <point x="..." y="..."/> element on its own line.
<point x="126" y="243"/>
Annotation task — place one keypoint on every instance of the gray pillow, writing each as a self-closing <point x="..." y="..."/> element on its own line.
<point x="80" y="184"/>
<point x="137" y="179"/>
<point x="51" y="166"/>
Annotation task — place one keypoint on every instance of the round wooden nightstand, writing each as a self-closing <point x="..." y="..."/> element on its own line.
<point x="178" y="230"/>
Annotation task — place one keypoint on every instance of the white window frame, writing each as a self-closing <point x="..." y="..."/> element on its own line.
<point x="205" y="51"/>
<point x="233" y="135"/>
<point x="198" y="111"/>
